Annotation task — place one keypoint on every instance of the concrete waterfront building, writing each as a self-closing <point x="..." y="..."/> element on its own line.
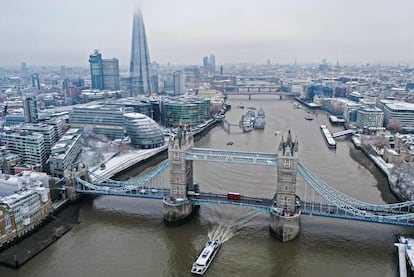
<point x="144" y="132"/>
<point x="285" y="212"/>
<point x="65" y="152"/>
<point x="140" y="66"/>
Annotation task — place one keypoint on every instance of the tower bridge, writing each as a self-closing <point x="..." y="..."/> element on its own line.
<point x="285" y="207"/>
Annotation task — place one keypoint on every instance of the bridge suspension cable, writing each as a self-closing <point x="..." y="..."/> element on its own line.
<point x="349" y="199"/>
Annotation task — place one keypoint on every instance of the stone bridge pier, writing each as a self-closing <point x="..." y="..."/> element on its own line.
<point x="178" y="208"/>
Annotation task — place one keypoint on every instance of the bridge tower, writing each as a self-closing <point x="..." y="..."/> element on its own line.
<point x="285" y="211"/>
<point x="178" y="208"/>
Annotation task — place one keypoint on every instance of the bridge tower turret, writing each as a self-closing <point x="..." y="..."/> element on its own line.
<point x="178" y="208"/>
<point x="285" y="211"/>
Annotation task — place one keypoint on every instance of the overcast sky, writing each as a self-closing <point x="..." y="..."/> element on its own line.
<point x="53" y="32"/>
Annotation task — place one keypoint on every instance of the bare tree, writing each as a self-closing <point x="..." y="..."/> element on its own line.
<point x="381" y="142"/>
<point x="394" y="125"/>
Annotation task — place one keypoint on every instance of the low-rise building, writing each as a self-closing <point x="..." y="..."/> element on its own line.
<point x="21" y="212"/>
<point x="403" y="151"/>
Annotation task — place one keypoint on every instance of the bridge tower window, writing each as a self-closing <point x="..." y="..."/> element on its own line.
<point x="288" y="163"/>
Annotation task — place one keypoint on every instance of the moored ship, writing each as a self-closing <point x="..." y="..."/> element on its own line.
<point x="207" y="255"/>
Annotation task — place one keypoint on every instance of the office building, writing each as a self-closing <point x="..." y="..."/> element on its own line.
<point x="35" y="81"/>
<point x="140" y="66"/>
<point x="179" y="82"/>
<point x="398" y="110"/>
<point x="189" y="111"/>
<point x="212" y="62"/>
<point x="23" y="67"/>
<point x="107" y="120"/>
<point x="205" y="63"/>
<point x="30" y="108"/>
<point x="110" y="72"/>
<point x="104" y="72"/>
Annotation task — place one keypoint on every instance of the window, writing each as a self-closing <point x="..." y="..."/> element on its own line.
<point x="288" y="164"/>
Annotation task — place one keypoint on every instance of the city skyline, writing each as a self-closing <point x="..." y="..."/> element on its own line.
<point x="183" y="32"/>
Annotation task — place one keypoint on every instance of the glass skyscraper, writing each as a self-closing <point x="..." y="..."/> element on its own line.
<point x="140" y="67"/>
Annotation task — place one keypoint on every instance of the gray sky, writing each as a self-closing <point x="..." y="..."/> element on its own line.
<point x="53" y="32"/>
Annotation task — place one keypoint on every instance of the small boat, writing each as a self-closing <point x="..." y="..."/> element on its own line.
<point x="207" y="255"/>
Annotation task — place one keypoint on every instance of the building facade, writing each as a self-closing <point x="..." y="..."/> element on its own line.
<point x="397" y="110"/>
<point x="29" y="145"/>
<point x="104" y="72"/>
<point x="107" y="120"/>
<point x="21" y="212"/>
<point x="144" y="132"/>
<point x="65" y="152"/>
<point x="185" y="111"/>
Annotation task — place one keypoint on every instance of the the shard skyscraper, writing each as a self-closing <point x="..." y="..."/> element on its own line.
<point x="140" y="67"/>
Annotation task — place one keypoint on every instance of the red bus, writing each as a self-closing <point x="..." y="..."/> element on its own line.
<point x="233" y="196"/>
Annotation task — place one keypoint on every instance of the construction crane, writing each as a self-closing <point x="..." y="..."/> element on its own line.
<point x="3" y="148"/>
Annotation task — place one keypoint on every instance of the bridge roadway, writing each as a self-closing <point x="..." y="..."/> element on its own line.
<point x="262" y="205"/>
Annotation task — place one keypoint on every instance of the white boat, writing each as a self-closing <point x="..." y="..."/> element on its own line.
<point x="409" y="250"/>
<point x="207" y="255"/>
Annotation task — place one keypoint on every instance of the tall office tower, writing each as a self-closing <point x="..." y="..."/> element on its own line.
<point x="212" y="64"/>
<point x="205" y="63"/>
<point x="35" y="81"/>
<point x="179" y="82"/>
<point x="30" y="108"/>
<point x="62" y="71"/>
<point x="104" y="72"/>
<point x="95" y="61"/>
<point x="23" y="67"/>
<point x="140" y="66"/>
<point x="110" y="72"/>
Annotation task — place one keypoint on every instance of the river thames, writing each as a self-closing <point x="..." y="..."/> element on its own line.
<point x="127" y="237"/>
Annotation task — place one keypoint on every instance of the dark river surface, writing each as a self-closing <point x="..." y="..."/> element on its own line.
<point x="127" y="237"/>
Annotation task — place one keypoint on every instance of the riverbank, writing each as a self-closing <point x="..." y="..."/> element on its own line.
<point x="383" y="185"/>
<point x="21" y="252"/>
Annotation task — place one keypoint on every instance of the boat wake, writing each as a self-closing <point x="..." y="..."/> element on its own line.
<point x="221" y="233"/>
<point x="229" y="226"/>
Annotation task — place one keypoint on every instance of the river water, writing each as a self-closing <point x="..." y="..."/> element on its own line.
<point x="126" y="237"/>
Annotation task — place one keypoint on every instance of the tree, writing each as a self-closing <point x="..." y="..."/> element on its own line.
<point x="381" y="142"/>
<point x="394" y="125"/>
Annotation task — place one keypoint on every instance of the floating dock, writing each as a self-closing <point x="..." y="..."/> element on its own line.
<point x="328" y="137"/>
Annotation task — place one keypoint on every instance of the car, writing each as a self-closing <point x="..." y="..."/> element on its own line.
<point x="142" y="191"/>
<point x="154" y="191"/>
